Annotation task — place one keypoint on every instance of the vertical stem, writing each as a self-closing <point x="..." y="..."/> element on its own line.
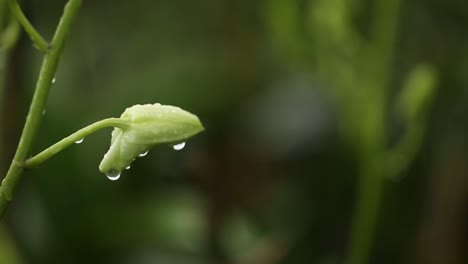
<point x="384" y="33"/>
<point x="33" y="120"/>
<point x="366" y="214"/>
<point x="2" y="107"/>
<point x="372" y="163"/>
<point x="3" y="55"/>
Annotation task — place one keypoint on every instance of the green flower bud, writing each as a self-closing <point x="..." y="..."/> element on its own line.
<point x="418" y="92"/>
<point x="149" y="125"/>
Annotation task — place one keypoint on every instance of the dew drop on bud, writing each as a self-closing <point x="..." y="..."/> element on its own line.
<point x="113" y="175"/>
<point x="179" y="146"/>
<point x="79" y="141"/>
<point x="143" y="154"/>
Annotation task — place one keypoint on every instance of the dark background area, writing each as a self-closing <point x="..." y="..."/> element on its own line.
<point x="272" y="179"/>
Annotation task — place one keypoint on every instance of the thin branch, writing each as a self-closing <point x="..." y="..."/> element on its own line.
<point x="39" y="42"/>
<point x="78" y="135"/>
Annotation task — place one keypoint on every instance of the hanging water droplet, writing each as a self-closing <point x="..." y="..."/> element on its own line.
<point x="179" y="146"/>
<point x="79" y="141"/>
<point x="143" y="154"/>
<point x="113" y="175"/>
<point x="53" y="80"/>
<point x="128" y="167"/>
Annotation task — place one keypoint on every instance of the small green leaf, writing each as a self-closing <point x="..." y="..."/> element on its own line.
<point x="150" y="125"/>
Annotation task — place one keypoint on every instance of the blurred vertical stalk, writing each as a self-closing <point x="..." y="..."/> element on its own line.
<point x="370" y="187"/>
<point x="2" y="84"/>
<point x="9" y="32"/>
<point x="8" y="250"/>
<point x="357" y="64"/>
<point x="373" y="164"/>
<point x="3" y="56"/>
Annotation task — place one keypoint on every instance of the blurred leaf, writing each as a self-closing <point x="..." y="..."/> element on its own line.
<point x="418" y="92"/>
<point x="8" y="252"/>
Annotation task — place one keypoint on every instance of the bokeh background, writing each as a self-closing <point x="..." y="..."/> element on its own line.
<point x="301" y="99"/>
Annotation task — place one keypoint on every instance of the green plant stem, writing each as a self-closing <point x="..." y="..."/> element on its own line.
<point x="384" y="33"/>
<point x="371" y="182"/>
<point x="78" y="135"/>
<point x="3" y="59"/>
<point x="39" y="42"/>
<point x="373" y="164"/>
<point x="33" y="120"/>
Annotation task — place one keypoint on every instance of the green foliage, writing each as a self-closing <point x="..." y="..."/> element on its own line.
<point x="311" y="108"/>
<point x="357" y="65"/>
<point x="7" y="248"/>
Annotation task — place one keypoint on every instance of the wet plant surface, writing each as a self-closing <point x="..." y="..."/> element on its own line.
<point x="334" y="131"/>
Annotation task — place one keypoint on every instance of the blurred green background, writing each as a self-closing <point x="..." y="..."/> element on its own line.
<point x="312" y="108"/>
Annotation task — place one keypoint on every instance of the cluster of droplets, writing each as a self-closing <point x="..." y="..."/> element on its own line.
<point x="114" y="175"/>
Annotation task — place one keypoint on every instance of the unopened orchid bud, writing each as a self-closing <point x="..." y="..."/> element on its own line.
<point x="418" y="92"/>
<point x="149" y="125"/>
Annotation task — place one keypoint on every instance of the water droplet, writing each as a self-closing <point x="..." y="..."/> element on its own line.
<point x="128" y="167"/>
<point x="53" y="80"/>
<point x="79" y="141"/>
<point x="113" y="175"/>
<point x="43" y="112"/>
<point x="143" y="154"/>
<point x="179" y="146"/>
